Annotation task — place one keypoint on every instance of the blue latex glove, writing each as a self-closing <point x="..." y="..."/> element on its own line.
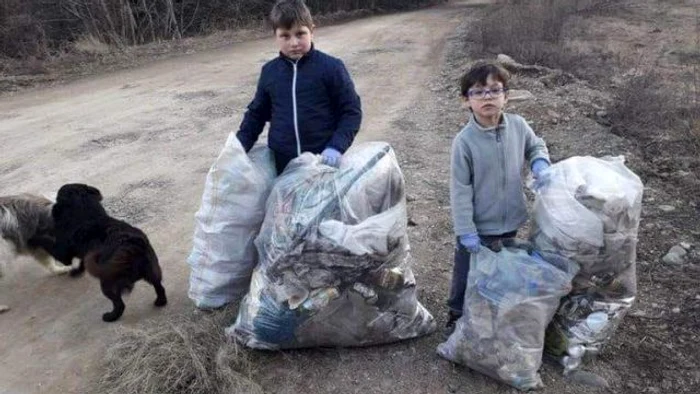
<point x="471" y="242"/>
<point x="331" y="157"/>
<point x="538" y="166"/>
<point x="538" y="172"/>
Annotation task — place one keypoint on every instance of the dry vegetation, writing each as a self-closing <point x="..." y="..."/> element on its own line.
<point x="661" y="120"/>
<point x="47" y="41"/>
<point x="538" y="31"/>
<point x="659" y="108"/>
<point x="189" y="355"/>
<point x="39" y="28"/>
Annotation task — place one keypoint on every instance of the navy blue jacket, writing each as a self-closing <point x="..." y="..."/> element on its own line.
<point x="328" y="110"/>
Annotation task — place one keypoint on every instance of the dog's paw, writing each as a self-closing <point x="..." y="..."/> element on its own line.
<point x="111" y="316"/>
<point x="61" y="270"/>
<point x="160" y="302"/>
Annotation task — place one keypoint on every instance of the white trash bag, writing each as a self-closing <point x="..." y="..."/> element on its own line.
<point x="233" y="208"/>
<point x="589" y="211"/>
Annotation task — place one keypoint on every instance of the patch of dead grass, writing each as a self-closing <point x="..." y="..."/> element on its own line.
<point x="189" y="355"/>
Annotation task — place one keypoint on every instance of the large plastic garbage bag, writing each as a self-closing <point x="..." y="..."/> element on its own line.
<point x="335" y="268"/>
<point x="223" y="255"/>
<point x="510" y="299"/>
<point x="589" y="211"/>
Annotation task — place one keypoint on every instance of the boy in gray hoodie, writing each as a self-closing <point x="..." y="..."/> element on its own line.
<point x="486" y="186"/>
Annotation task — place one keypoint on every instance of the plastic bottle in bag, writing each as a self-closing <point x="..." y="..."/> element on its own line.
<point x="366" y="292"/>
<point x="320" y="298"/>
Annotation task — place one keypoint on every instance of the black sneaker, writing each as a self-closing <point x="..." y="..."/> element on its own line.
<point x="451" y="324"/>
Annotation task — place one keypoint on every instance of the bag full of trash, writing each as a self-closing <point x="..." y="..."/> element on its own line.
<point x="583" y="324"/>
<point x="335" y="268"/>
<point x="233" y="208"/>
<point x="510" y="299"/>
<point x="589" y="211"/>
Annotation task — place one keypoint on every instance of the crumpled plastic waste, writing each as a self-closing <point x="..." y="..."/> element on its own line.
<point x="589" y="212"/>
<point x="510" y="299"/>
<point x="335" y="267"/>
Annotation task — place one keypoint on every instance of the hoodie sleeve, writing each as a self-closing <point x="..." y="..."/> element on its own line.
<point x="348" y="106"/>
<point x="461" y="189"/>
<point x="535" y="147"/>
<point x="258" y="113"/>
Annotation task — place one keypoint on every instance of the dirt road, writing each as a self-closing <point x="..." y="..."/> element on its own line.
<point x="146" y="138"/>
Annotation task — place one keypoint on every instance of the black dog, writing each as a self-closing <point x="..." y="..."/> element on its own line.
<point x="113" y="251"/>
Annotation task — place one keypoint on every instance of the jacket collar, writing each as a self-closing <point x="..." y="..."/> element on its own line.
<point x="502" y="124"/>
<point x="301" y="60"/>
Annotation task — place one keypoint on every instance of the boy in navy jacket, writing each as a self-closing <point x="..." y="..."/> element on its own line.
<point x="307" y="96"/>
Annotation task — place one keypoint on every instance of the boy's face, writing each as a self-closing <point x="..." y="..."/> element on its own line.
<point x="295" y="42"/>
<point x="487" y="101"/>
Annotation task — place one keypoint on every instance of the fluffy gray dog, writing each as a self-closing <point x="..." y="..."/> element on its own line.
<point x="25" y="218"/>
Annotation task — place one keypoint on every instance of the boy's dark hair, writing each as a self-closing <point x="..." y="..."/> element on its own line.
<point x="287" y="13"/>
<point x="479" y="73"/>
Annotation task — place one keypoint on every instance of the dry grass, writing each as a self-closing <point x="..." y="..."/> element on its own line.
<point x="92" y="45"/>
<point x="182" y="355"/>
<point x="41" y="27"/>
<point x="533" y="32"/>
<point x="642" y="104"/>
<point x="694" y="88"/>
<point x="663" y="115"/>
<point x="56" y="40"/>
<point x="664" y="123"/>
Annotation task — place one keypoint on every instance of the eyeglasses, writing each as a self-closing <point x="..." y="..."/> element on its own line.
<point x="481" y="93"/>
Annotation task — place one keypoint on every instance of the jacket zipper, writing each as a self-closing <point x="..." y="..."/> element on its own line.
<point x="294" y="107"/>
<point x="502" y="159"/>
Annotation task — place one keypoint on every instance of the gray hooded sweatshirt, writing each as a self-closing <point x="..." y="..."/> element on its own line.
<point x="486" y="186"/>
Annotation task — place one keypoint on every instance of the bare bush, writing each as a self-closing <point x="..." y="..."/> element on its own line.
<point x="533" y="32"/>
<point x="35" y="27"/>
<point x="32" y="28"/>
<point x="693" y="129"/>
<point x="663" y="115"/>
<point x="21" y="35"/>
<point x="642" y="105"/>
<point x="664" y="122"/>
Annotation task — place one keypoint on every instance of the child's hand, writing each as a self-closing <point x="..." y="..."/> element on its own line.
<point x="538" y="172"/>
<point x="538" y="166"/>
<point x="471" y="242"/>
<point x="331" y="157"/>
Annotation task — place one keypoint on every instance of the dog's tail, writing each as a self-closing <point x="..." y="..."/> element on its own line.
<point x="9" y="227"/>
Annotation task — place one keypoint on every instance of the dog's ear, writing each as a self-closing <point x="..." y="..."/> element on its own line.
<point x="95" y="192"/>
<point x="65" y="193"/>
